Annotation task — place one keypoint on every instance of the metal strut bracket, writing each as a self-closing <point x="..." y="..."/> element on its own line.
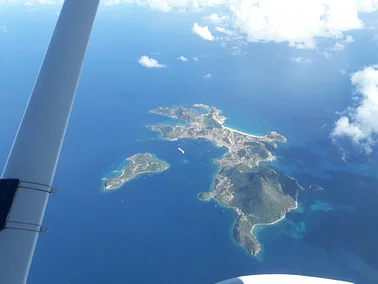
<point x="8" y="190"/>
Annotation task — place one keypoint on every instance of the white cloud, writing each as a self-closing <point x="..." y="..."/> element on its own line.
<point x="116" y="2"/>
<point x="338" y="46"/>
<point x="342" y="71"/>
<point x="281" y="21"/>
<point x="4" y="28"/>
<point x="163" y="5"/>
<point x="236" y="50"/>
<point x="149" y="62"/>
<point x="363" y="6"/>
<point x="367" y="6"/>
<point x="300" y="23"/>
<point x="173" y="5"/>
<point x="216" y="19"/>
<point x="341" y="45"/>
<point x="360" y="122"/>
<point x="203" y="32"/>
<point x="208" y="76"/>
<point x="182" y="58"/>
<point x="195" y="58"/>
<point x="349" y="39"/>
<point x="327" y="54"/>
<point x="301" y="60"/>
<point x="223" y="30"/>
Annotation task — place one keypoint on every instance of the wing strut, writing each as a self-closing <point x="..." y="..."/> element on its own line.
<point x="29" y="172"/>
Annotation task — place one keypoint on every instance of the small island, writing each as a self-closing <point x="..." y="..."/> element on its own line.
<point x="316" y="187"/>
<point x="138" y="164"/>
<point x="259" y="195"/>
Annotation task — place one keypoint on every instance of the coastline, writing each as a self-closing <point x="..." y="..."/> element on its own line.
<point x="141" y="173"/>
<point x="237" y="210"/>
<point x="277" y="221"/>
<point x="225" y="136"/>
<point x="105" y="178"/>
<point x="241" y="132"/>
<point x="271" y="159"/>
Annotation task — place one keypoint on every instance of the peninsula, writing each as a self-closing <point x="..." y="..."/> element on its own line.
<point x="259" y="194"/>
<point x="138" y="164"/>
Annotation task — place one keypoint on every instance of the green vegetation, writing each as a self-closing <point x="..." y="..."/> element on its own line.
<point x="140" y="164"/>
<point x="260" y="195"/>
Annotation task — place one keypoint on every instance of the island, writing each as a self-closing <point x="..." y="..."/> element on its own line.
<point x="138" y="164"/>
<point x="260" y="195"/>
<point x="316" y="187"/>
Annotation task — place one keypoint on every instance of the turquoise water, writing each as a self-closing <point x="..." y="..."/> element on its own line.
<point x="154" y="229"/>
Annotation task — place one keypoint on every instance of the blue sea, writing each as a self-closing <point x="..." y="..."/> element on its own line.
<point x="154" y="229"/>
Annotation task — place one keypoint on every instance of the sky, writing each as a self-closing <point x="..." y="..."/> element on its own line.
<point x="324" y="27"/>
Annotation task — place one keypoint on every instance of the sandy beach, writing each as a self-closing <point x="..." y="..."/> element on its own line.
<point x="241" y="132"/>
<point x="278" y="220"/>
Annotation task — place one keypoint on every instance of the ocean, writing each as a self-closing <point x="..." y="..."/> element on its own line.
<point x="154" y="229"/>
